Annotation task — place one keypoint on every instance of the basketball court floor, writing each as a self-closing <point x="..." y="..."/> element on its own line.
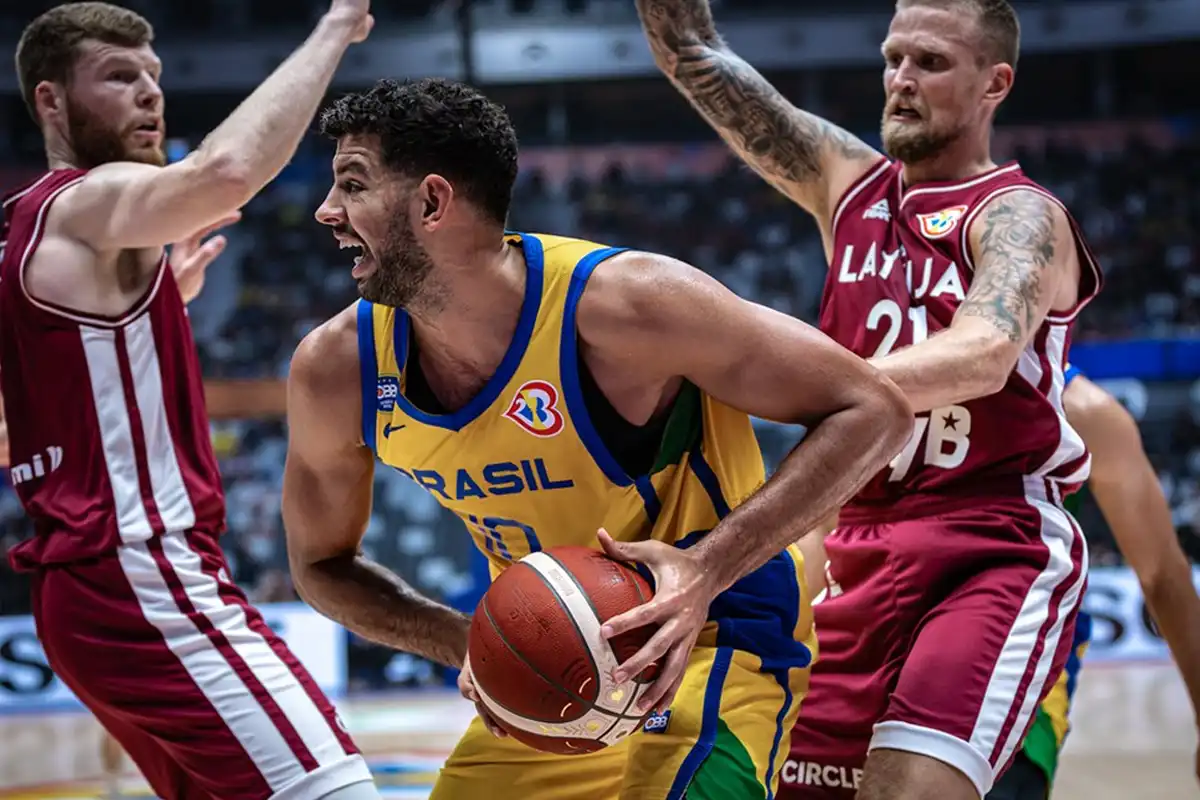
<point x="1134" y="739"/>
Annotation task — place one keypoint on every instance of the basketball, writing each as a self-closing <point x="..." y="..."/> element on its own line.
<point x="540" y="664"/>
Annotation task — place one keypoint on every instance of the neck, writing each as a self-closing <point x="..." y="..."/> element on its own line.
<point x="59" y="154"/>
<point x="963" y="159"/>
<point x="472" y="309"/>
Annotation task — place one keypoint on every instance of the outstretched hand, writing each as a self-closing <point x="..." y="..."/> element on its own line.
<point x="682" y="595"/>
<point x="191" y="257"/>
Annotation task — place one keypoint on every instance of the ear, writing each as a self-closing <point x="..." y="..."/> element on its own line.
<point x="1000" y="84"/>
<point x="435" y="194"/>
<point x="49" y="99"/>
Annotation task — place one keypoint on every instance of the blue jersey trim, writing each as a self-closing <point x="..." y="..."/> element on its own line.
<point x="709" y="716"/>
<point x="1071" y="373"/>
<point x="569" y="370"/>
<point x="1083" y="635"/>
<point x="456" y="421"/>
<point x="368" y="370"/>
<point x="781" y="675"/>
<point x="710" y="482"/>
<point x="650" y="499"/>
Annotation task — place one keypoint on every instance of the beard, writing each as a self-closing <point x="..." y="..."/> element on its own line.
<point x="95" y="142"/>
<point x="401" y="276"/>
<point x="912" y="144"/>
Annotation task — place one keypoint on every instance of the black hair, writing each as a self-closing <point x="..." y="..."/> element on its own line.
<point x="436" y="126"/>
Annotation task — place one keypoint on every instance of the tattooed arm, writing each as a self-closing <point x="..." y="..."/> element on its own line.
<point x="1026" y="263"/>
<point x="810" y="160"/>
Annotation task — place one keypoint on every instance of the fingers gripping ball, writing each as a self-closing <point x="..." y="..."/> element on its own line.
<point x="538" y="660"/>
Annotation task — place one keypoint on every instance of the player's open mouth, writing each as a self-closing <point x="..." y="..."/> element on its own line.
<point x="149" y="130"/>
<point x="904" y="113"/>
<point x="362" y="262"/>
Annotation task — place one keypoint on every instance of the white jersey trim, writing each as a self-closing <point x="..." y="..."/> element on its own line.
<point x="853" y="191"/>
<point x="80" y="317"/>
<point x="1086" y="259"/>
<point x="954" y="187"/>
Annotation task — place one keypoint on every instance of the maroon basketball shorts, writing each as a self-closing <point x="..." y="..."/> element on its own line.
<point x="938" y="636"/>
<point x="176" y="664"/>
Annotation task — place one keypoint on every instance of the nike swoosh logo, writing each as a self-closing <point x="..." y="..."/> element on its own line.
<point x="389" y="429"/>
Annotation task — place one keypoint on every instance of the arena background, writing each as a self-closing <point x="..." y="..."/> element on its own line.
<point x="1105" y="113"/>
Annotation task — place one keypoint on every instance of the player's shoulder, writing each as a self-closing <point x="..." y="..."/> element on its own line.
<point x="1021" y="210"/>
<point x="870" y="198"/>
<point x="636" y="290"/>
<point x="78" y="192"/>
<point x="326" y="360"/>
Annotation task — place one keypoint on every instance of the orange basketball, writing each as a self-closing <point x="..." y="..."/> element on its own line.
<point x="540" y="664"/>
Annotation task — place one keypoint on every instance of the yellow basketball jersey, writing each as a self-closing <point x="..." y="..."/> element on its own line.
<point x="522" y="464"/>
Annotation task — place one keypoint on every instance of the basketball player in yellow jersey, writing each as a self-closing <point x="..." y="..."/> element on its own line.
<point x="543" y="388"/>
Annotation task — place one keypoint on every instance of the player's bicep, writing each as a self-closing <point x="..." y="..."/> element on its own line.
<point x="774" y="366"/>
<point x="126" y="205"/>
<point x="1107" y="428"/>
<point x="329" y="473"/>
<point x="685" y="323"/>
<point x="1022" y="249"/>
<point x="1123" y="480"/>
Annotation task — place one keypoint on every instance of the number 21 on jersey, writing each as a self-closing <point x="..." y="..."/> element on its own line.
<point x="946" y="431"/>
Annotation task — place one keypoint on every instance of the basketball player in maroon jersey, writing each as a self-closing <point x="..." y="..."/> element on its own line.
<point x="108" y="432"/>
<point x="955" y="574"/>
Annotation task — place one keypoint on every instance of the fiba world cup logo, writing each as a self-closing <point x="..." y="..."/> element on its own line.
<point x="535" y="408"/>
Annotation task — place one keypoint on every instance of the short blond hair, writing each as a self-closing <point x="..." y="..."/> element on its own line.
<point x="998" y="24"/>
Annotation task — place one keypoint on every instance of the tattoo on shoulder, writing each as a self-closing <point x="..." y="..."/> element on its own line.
<point x="783" y="143"/>
<point x="1016" y="247"/>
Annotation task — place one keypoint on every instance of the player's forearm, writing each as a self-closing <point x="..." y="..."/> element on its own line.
<point x="947" y="368"/>
<point x="1129" y="494"/>
<point x="1176" y="609"/>
<point x="262" y="134"/>
<point x="375" y="603"/>
<point x="784" y="145"/>
<point x="837" y="457"/>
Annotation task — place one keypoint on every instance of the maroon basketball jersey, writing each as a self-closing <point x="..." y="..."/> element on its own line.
<point x="108" y="433"/>
<point x="901" y="266"/>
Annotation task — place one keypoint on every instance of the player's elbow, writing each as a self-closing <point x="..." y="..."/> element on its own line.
<point x="226" y="176"/>
<point x="990" y="362"/>
<point x="889" y="411"/>
<point x="306" y="575"/>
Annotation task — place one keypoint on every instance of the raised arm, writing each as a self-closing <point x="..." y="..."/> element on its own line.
<point x="809" y="159"/>
<point x="126" y="205"/>
<point x="1131" y="498"/>
<point x="327" y="484"/>
<point x="1025" y="262"/>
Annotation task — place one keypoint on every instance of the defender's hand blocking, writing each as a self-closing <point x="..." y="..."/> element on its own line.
<point x="682" y="595"/>
<point x="191" y="257"/>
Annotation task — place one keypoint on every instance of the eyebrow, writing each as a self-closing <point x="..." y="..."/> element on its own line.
<point x="354" y="166"/>
<point x="126" y="60"/>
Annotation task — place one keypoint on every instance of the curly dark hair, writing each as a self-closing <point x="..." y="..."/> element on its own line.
<point x="437" y="126"/>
